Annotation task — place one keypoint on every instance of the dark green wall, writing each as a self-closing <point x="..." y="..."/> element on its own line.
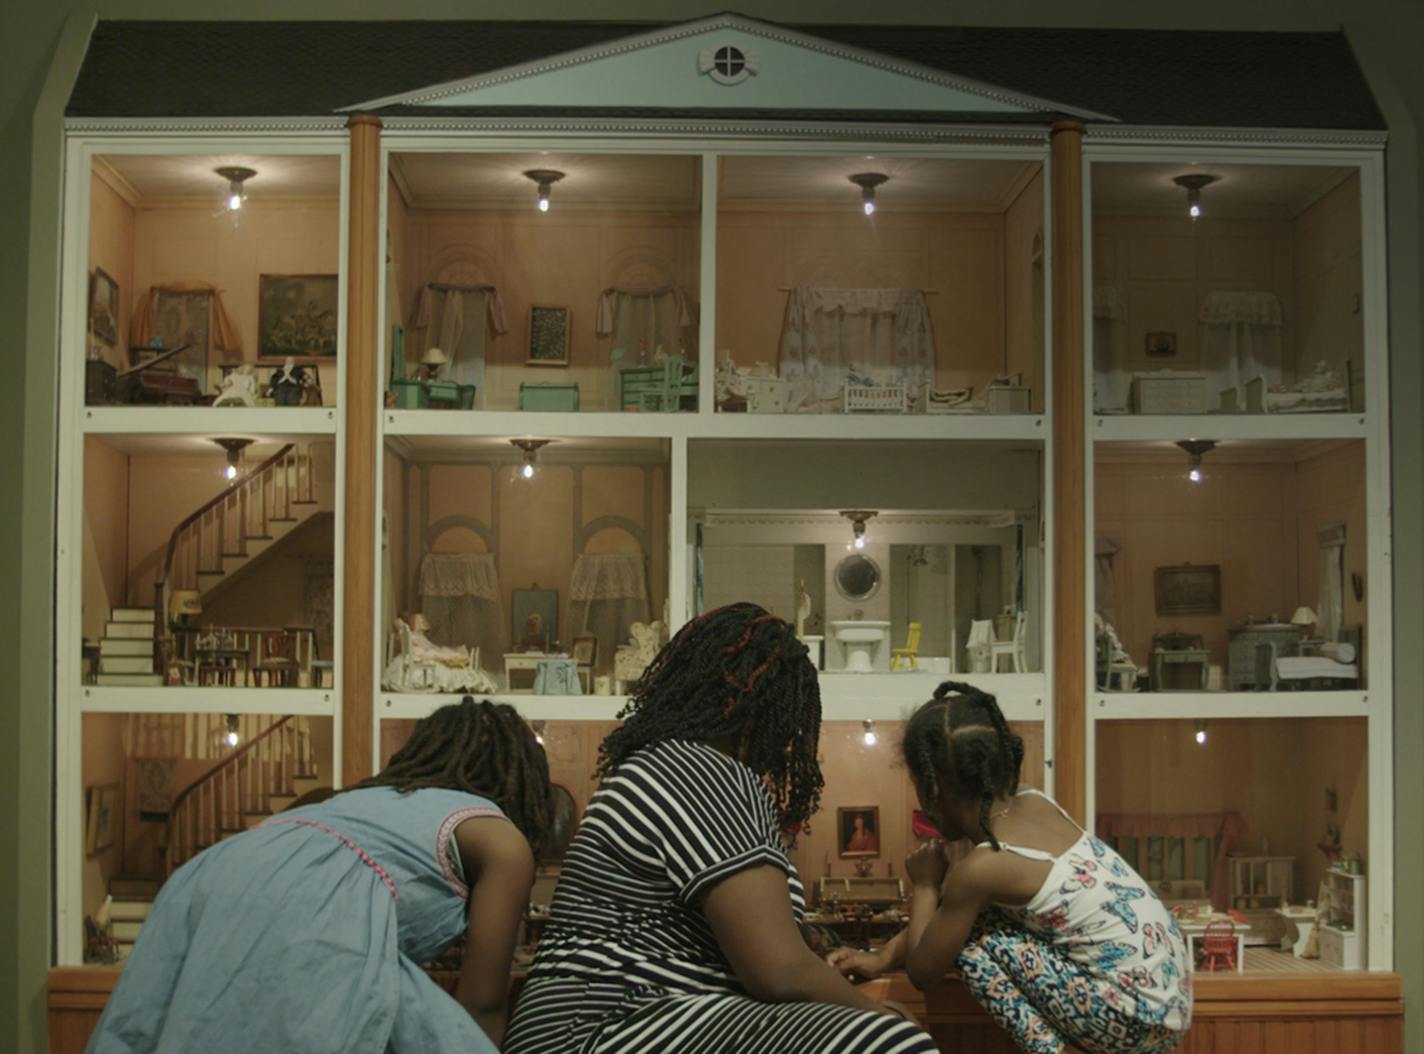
<point x="1383" y="32"/>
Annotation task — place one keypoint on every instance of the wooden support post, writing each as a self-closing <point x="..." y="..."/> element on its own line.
<point x="1069" y="615"/>
<point x="363" y="283"/>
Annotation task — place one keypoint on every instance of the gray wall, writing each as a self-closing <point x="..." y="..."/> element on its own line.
<point x="1385" y="34"/>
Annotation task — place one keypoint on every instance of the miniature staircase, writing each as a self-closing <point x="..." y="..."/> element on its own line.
<point x="129" y="904"/>
<point x="126" y="650"/>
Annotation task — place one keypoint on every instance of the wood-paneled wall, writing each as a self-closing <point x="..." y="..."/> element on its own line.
<point x="1235" y="1014"/>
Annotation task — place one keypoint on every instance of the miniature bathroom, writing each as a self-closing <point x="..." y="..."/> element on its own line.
<point x="847" y="547"/>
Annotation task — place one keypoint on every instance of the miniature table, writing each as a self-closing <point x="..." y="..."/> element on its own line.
<point x="225" y="666"/>
<point x="525" y="662"/>
<point x="1161" y="658"/>
<point x="1300" y="925"/>
<point x="557" y="676"/>
<point x="1195" y="929"/>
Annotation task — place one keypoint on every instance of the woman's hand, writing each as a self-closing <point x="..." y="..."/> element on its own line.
<point x="848" y="961"/>
<point x="928" y="865"/>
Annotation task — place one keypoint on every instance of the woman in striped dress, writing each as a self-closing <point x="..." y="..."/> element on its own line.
<point x="675" y="923"/>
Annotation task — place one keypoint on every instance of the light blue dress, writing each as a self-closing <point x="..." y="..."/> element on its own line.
<point x="306" y="934"/>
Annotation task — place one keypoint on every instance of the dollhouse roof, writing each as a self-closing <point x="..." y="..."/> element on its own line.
<point x="926" y="74"/>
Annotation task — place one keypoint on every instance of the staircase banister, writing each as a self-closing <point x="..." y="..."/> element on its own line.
<point x="213" y="502"/>
<point x="231" y="759"/>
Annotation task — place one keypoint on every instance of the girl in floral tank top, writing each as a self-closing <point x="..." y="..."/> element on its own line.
<point x="1053" y="933"/>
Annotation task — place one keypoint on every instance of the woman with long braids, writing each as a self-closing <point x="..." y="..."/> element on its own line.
<point x="1061" y="941"/>
<point x="306" y="932"/>
<point x="674" y="926"/>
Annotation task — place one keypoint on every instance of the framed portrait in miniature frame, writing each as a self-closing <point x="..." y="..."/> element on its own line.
<point x="858" y="831"/>
<point x="103" y="806"/>
<point x="1191" y="589"/>
<point x="104" y="307"/>
<point x="297" y="315"/>
<point x="585" y="651"/>
<point x="536" y="619"/>
<point x="548" y="336"/>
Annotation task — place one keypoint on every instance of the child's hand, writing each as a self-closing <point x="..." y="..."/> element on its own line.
<point x="928" y="865"/>
<point x="851" y="961"/>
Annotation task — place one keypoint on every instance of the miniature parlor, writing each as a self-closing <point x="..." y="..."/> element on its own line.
<point x="963" y="367"/>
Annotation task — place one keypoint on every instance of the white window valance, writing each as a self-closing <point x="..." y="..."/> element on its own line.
<point x="459" y="575"/>
<point x="608" y="576"/>
<point x="1223" y="307"/>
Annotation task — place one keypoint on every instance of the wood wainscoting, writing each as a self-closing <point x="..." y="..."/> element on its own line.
<point x="1261" y="1013"/>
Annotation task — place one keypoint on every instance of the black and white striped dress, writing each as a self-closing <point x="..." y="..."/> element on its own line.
<point x="628" y="963"/>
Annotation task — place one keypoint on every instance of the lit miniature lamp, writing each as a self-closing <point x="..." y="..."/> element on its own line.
<point x="184" y="603"/>
<point x="1304" y="619"/>
<point x="433" y="360"/>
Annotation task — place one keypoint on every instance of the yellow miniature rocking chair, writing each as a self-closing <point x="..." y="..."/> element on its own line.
<point x="909" y="652"/>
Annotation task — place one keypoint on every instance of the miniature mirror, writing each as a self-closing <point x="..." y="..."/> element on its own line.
<point x="857" y="577"/>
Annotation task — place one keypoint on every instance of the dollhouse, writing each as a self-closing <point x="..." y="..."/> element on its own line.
<point x="929" y="349"/>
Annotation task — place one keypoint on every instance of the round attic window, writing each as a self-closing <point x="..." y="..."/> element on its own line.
<point x="727" y="64"/>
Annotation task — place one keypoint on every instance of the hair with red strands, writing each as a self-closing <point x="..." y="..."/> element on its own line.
<point x="734" y="673"/>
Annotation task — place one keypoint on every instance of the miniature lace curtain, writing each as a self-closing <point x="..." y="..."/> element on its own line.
<point x="608" y="592"/>
<point x="1330" y="606"/>
<point x="1240" y="340"/>
<point x="223" y="337"/>
<point x="883" y="335"/>
<point x="459" y="594"/>
<point x="640" y="321"/>
<point x="1105" y="547"/>
<point x="452" y="318"/>
<point x="1111" y="379"/>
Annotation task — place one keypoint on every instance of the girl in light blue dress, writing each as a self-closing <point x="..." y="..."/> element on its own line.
<point x="306" y="934"/>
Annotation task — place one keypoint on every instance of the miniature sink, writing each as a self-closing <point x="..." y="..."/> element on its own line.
<point x="862" y="642"/>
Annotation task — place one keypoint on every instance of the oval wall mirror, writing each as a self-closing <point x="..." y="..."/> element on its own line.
<point x="857" y="577"/>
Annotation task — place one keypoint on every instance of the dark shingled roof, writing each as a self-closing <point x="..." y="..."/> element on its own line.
<point x="1141" y="77"/>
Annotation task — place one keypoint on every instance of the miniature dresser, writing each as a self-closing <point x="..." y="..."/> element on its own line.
<point x="1241" y="655"/>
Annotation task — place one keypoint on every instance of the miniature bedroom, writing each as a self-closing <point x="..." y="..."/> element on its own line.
<point x="1254" y="831"/>
<point x="1227" y="289"/>
<point x="214" y="280"/>
<point x="888" y="285"/>
<point x="542" y="281"/>
<point x="524" y="565"/>
<point x="929" y="570"/>
<point x="1233" y="566"/>
<point x="208" y="561"/>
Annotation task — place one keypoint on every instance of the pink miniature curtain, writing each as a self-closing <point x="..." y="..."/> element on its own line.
<point x="223" y="336"/>
<point x="1226" y="827"/>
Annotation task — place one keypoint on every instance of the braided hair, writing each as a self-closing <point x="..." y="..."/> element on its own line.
<point x="480" y="748"/>
<point x="736" y="672"/>
<point x="959" y="744"/>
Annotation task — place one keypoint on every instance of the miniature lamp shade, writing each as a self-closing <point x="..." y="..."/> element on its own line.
<point x="1304" y="619"/>
<point x="432" y="361"/>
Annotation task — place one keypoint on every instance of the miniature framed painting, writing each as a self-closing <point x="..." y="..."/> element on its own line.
<point x="1160" y="345"/>
<point x="297" y="315"/>
<point x="104" y="307"/>
<point x="858" y="830"/>
<point x="585" y="651"/>
<point x="548" y="336"/>
<point x="536" y="619"/>
<point x="1191" y="589"/>
<point x="103" y="806"/>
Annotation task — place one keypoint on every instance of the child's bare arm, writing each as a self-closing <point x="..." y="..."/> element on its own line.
<point x="942" y="917"/>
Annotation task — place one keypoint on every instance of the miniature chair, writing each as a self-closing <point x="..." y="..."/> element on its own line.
<point x="1219" y="946"/>
<point x="276" y="667"/>
<point x="910" y="652"/>
<point x="979" y="647"/>
<point x="1013" y="649"/>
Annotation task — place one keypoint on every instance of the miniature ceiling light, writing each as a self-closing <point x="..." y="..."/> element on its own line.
<point x="1201" y="734"/>
<point x="857" y="519"/>
<point x="867" y="182"/>
<point x="1195" y="448"/>
<point x="531" y="453"/>
<point x="234" y="448"/>
<point x="870" y="737"/>
<point x="236" y="176"/>
<point x="539" y="727"/>
<point x="545" y="178"/>
<point x="232" y="735"/>
<point x="1193" y="182"/>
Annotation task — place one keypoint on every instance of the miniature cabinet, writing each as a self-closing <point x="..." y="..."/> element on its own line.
<point x="1261" y="882"/>
<point x="1241" y="653"/>
<point x="1341" y="927"/>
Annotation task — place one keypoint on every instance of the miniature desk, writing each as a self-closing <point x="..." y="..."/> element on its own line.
<point x="1300" y="925"/>
<point x="1180" y="657"/>
<point x="523" y="662"/>
<point x="1195" y="929"/>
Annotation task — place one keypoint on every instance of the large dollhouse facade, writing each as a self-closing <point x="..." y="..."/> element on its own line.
<point x="400" y="361"/>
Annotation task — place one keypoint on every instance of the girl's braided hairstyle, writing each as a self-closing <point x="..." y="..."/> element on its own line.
<point x="958" y="743"/>
<point x="480" y="748"/>
<point x="733" y="672"/>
